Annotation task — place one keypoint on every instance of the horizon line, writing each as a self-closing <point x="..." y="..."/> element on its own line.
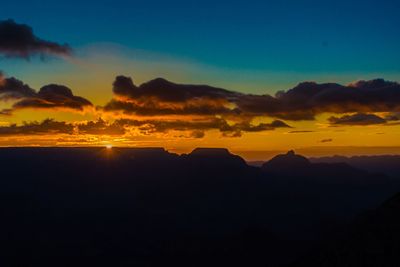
<point x="254" y="155"/>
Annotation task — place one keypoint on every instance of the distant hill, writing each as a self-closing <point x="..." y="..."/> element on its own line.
<point x="389" y="164"/>
<point x="294" y="165"/>
<point x="287" y="163"/>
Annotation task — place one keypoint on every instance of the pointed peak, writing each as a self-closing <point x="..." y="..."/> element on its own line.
<point x="285" y="162"/>
<point x="291" y="153"/>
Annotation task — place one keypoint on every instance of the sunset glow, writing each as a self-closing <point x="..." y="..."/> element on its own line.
<point x="92" y="93"/>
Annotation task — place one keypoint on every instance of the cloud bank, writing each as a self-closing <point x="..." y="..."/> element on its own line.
<point x="357" y="119"/>
<point x="161" y="106"/>
<point x="303" y="102"/>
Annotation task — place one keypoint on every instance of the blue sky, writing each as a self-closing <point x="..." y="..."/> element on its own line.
<point x="318" y="37"/>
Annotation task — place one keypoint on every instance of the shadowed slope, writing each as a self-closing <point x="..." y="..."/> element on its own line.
<point x="372" y="240"/>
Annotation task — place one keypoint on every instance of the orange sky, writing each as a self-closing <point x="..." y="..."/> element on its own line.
<point x="92" y="78"/>
<point x="313" y="138"/>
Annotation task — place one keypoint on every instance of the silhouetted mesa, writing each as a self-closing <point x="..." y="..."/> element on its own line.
<point x="211" y="152"/>
<point x="215" y="156"/>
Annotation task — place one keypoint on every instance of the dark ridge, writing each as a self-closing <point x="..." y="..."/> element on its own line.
<point x="388" y="164"/>
<point x="292" y="166"/>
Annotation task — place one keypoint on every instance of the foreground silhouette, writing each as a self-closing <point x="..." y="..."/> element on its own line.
<point x="372" y="240"/>
<point x="149" y="207"/>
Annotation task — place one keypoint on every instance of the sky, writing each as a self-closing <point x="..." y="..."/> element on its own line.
<point x="253" y="49"/>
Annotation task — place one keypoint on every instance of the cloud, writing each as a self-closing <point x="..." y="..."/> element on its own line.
<point x="6" y="112"/>
<point x="18" y="40"/>
<point x="2" y="78"/>
<point x="393" y="117"/>
<point x="51" y="96"/>
<point x="48" y="126"/>
<point x="51" y="126"/>
<point x="301" y="131"/>
<point x="155" y="108"/>
<point x="167" y="91"/>
<point x="235" y="129"/>
<point x="363" y="96"/>
<point x="357" y="119"/>
<point x="101" y="127"/>
<point x="123" y="126"/>
<point x="326" y="140"/>
<point x="161" y="97"/>
<point x="11" y="88"/>
<point x="303" y="102"/>
<point x="197" y="134"/>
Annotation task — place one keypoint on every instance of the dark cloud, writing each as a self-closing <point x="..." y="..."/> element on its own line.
<point x="48" y="126"/>
<point x="197" y="134"/>
<point x="48" y="97"/>
<point x="122" y="126"/>
<point x="161" y="97"/>
<point x="161" y="126"/>
<point x="357" y="119"/>
<point x="11" y="88"/>
<point x="53" y="96"/>
<point x="326" y="140"/>
<point x="301" y="131"/>
<point x="393" y="117"/>
<point x="167" y="91"/>
<point x="6" y="112"/>
<point x="18" y="40"/>
<point x="51" y="126"/>
<point x="101" y="127"/>
<point x="155" y="108"/>
<point x="236" y="129"/>
<point x="303" y="102"/>
<point x="364" y="96"/>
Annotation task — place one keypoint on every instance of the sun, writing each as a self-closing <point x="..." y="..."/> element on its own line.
<point x="109" y="146"/>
